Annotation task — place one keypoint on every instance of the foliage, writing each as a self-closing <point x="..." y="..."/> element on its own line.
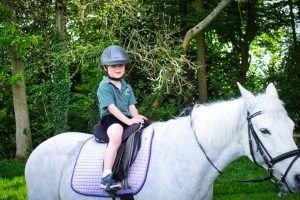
<point x="40" y="111"/>
<point x="7" y="123"/>
<point x="289" y="84"/>
<point x="161" y="61"/>
<point x="167" y="108"/>
<point x="62" y="80"/>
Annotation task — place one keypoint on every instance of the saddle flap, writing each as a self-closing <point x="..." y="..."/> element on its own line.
<point x="126" y="155"/>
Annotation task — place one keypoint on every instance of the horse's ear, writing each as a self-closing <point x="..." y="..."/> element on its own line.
<point x="271" y="90"/>
<point x="249" y="99"/>
<point x="245" y="93"/>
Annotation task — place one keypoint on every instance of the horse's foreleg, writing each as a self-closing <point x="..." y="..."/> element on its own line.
<point x="208" y="195"/>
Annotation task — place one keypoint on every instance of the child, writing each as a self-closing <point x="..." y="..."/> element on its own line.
<point x="117" y="108"/>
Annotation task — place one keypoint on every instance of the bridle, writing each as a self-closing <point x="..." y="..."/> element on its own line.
<point x="268" y="159"/>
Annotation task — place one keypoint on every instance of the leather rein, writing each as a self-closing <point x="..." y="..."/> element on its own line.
<point x="268" y="159"/>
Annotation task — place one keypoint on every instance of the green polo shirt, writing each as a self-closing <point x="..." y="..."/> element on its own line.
<point x="108" y="94"/>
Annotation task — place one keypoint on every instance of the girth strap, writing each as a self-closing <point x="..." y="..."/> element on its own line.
<point x="113" y="195"/>
<point x="127" y="197"/>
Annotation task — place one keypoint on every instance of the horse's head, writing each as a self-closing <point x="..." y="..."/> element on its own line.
<point x="270" y="137"/>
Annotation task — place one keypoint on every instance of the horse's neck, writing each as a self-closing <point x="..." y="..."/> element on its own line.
<point x="175" y="143"/>
<point x="221" y="129"/>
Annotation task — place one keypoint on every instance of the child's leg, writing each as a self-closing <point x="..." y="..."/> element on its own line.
<point x="114" y="133"/>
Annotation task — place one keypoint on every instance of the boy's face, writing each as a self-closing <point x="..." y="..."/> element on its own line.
<point x="115" y="71"/>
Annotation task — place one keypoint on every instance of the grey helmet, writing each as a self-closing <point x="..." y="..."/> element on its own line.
<point x="114" y="55"/>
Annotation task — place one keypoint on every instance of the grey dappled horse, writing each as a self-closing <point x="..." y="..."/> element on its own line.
<point x="187" y="152"/>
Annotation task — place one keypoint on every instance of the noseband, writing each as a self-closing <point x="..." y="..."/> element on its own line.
<point x="268" y="159"/>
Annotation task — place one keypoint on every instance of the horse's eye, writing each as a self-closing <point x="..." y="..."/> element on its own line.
<point x="265" y="131"/>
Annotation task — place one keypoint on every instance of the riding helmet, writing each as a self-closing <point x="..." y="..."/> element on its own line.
<point x="114" y="55"/>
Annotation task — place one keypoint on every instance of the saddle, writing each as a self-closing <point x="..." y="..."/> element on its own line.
<point x="131" y="143"/>
<point x="88" y="168"/>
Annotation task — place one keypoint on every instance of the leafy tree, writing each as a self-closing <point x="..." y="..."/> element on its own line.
<point x="17" y="42"/>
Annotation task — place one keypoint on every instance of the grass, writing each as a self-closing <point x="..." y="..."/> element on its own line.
<point x="225" y="188"/>
<point x="12" y="183"/>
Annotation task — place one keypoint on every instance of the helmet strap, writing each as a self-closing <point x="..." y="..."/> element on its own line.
<point x="114" y="79"/>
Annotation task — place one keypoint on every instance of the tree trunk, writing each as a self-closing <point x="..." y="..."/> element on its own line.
<point x="60" y="19"/>
<point x="23" y="132"/>
<point x="204" y="23"/>
<point x="60" y="76"/>
<point x="202" y="86"/>
<point x="293" y="24"/>
<point x="183" y="7"/>
<point x="248" y="37"/>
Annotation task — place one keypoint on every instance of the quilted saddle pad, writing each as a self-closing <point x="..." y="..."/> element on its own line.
<point x="88" y="168"/>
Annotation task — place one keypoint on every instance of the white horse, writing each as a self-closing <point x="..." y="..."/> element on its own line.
<point x="187" y="152"/>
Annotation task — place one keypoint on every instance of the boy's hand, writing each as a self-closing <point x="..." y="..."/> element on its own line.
<point x="137" y="119"/>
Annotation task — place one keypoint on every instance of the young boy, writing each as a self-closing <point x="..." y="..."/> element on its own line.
<point x="117" y="107"/>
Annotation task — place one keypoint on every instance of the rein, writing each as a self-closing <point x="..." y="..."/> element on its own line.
<point x="269" y="161"/>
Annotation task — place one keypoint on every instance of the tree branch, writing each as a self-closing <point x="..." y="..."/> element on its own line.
<point x="204" y="23"/>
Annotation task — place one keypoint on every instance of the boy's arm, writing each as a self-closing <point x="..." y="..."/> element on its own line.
<point x="135" y="114"/>
<point x="115" y="111"/>
<point x="133" y="110"/>
<point x="136" y="118"/>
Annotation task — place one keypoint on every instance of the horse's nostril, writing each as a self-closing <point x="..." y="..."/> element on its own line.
<point x="297" y="178"/>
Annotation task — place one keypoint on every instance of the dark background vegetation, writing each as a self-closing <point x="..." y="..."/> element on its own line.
<point x="61" y="80"/>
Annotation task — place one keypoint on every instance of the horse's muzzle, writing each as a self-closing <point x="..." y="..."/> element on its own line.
<point x="297" y="178"/>
<point x="296" y="188"/>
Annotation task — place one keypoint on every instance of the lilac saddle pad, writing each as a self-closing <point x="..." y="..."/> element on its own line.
<point x="88" y="168"/>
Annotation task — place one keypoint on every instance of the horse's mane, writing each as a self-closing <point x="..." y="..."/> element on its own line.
<point x="217" y="123"/>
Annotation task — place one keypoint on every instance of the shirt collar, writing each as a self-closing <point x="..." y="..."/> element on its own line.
<point x="107" y="80"/>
